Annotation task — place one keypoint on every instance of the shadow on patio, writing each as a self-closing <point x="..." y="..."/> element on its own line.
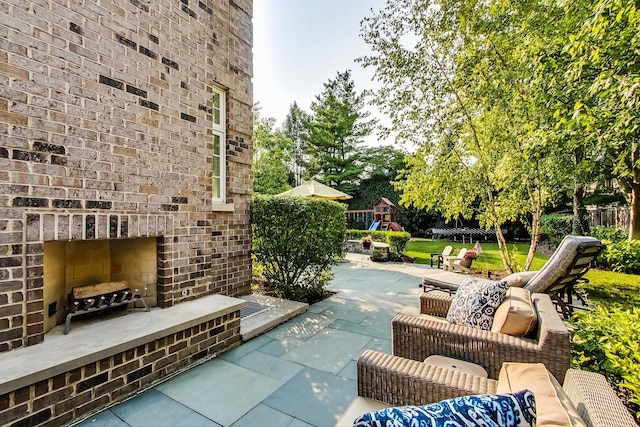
<point x="301" y="373"/>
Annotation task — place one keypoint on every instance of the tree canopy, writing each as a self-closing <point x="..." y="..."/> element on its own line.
<point x="336" y="126"/>
<point x="272" y="154"/>
<point x="454" y="84"/>
<point x="606" y="62"/>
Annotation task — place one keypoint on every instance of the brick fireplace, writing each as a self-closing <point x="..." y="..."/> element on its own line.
<point x="125" y="154"/>
<point x="90" y="258"/>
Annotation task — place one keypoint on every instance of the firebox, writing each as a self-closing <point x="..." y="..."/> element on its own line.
<point x="68" y="264"/>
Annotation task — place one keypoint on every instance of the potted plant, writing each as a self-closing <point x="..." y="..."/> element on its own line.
<point x="468" y="258"/>
<point x="366" y="242"/>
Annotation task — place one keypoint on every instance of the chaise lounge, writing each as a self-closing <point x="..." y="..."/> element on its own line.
<point x="566" y="267"/>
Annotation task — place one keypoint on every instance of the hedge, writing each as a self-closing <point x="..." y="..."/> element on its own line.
<point x="296" y="240"/>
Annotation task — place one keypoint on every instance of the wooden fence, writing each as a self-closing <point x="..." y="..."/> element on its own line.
<point x="609" y="216"/>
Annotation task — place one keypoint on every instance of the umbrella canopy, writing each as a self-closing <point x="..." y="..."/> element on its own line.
<point x="315" y="189"/>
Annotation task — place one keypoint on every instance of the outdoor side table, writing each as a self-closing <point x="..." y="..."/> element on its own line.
<point x="459" y="365"/>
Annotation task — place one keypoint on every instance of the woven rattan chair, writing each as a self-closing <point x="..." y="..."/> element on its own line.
<point x="397" y="381"/>
<point x="417" y="338"/>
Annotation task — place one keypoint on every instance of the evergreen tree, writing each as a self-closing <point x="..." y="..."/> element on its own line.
<point x="336" y="127"/>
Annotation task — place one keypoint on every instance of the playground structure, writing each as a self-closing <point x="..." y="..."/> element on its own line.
<point x="381" y="217"/>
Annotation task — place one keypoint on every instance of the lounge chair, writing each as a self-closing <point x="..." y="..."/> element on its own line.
<point x="566" y="267"/>
<point x="460" y="262"/>
<point x="385" y="380"/>
<point x="438" y="258"/>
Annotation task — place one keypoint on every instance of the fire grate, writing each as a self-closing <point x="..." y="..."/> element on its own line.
<point x="252" y="309"/>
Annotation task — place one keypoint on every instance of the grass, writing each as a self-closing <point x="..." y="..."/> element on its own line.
<point x="605" y="288"/>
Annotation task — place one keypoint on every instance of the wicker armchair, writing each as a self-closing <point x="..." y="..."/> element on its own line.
<point x="417" y="338"/>
<point x="396" y="381"/>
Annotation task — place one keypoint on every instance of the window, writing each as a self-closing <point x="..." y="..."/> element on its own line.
<point x="219" y="147"/>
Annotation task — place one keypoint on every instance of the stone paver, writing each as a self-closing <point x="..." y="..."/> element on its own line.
<point x="301" y="373"/>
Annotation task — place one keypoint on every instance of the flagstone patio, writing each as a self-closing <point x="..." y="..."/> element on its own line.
<point x="301" y="373"/>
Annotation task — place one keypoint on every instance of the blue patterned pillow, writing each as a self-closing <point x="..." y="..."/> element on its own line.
<point x="513" y="410"/>
<point x="476" y="301"/>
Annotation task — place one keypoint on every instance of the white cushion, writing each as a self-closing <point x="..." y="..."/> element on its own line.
<point x="360" y="405"/>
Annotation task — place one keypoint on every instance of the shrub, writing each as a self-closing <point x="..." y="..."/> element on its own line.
<point x="623" y="257"/>
<point x="619" y="254"/>
<point x="611" y="234"/>
<point x="376" y="236"/>
<point x="296" y="240"/>
<point x="555" y="226"/>
<point x="608" y="342"/>
<point x="397" y="240"/>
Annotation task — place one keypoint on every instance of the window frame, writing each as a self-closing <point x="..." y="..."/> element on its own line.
<point x="219" y="129"/>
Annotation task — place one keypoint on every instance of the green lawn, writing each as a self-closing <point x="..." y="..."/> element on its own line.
<point x="605" y="287"/>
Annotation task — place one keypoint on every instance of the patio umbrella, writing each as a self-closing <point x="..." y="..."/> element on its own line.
<point x="315" y="189"/>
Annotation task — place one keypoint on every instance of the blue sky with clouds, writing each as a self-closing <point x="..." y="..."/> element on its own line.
<point x="301" y="44"/>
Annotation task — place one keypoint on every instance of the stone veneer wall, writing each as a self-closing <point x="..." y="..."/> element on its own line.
<point x="65" y="397"/>
<point x="105" y="132"/>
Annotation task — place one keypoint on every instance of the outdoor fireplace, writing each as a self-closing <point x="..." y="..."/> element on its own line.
<point x="125" y="126"/>
<point x="69" y="264"/>
<point x="66" y="251"/>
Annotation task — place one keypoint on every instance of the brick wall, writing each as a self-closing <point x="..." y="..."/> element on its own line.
<point x="65" y="397"/>
<point x="105" y="132"/>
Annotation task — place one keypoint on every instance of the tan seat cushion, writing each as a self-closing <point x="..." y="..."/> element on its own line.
<point x="554" y="408"/>
<point x="518" y="280"/>
<point x="516" y="315"/>
<point x="360" y="405"/>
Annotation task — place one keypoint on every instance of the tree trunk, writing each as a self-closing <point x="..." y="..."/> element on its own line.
<point x="535" y="237"/>
<point x="631" y="190"/>
<point x="634" y="212"/>
<point x="580" y="226"/>
<point x="504" y="251"/>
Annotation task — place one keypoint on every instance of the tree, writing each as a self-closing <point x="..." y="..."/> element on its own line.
<point x="606" y="61"/>
<point x="272" y="153"/>
<point x="455" y="86"/>
<point x="294" y="128"/>
<point x="336" y="127"/>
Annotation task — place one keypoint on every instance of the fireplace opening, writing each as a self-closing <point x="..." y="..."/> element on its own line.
<point x="68" y="264"/>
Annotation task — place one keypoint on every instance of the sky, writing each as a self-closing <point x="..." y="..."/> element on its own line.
<point x="300" y="44"/>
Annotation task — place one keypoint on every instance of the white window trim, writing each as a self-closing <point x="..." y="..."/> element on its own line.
<point x="219" y="203"/>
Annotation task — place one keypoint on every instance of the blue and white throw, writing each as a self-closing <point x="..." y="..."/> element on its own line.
<point x="501" y="410"/>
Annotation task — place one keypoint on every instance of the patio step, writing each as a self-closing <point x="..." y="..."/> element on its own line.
<point x="278" y="311"/>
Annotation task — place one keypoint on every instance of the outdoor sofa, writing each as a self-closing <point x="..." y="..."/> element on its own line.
<point x="585" y="398"/>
